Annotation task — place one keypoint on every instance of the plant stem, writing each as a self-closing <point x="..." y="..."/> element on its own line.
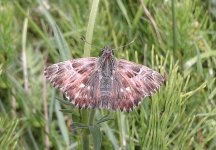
<point x="86" y="117"/>
<point x="174" y="25"/>
<point x="85" y="132"/>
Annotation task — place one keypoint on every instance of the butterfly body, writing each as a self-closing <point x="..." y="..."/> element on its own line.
<point x="106" y="68"/>
<point x="104" y="82"/>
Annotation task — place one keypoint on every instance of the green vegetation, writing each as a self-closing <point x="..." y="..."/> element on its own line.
<point x="177" y="38"/>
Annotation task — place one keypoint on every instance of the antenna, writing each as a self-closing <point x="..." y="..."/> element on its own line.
<point x="84" y="40"/>
<point x="124" y="45"/>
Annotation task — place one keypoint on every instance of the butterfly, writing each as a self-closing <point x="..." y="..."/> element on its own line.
<point x="104" y="82"/>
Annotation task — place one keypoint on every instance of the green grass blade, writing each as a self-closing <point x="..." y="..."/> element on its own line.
<point x="96" y="136"/>
<point x="124" y="11"/>
<point x="90" y="27"/>
<point x="61" y="123"/>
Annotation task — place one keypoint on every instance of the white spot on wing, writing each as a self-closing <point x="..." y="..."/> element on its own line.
<point x="128" y="89"/>
<point x="66" y="95"/>
<point x="139" y="103"/>
<point x="82" y="85"/>
<point x="77" y="94"/>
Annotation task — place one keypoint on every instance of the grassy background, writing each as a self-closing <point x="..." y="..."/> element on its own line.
<point x="177" y="38"/>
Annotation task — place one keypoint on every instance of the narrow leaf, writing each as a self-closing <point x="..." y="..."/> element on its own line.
<point x="96" y="135"/>
<point x="103" y="119"/>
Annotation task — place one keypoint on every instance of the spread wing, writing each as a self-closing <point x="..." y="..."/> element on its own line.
<point x="132" y="82"/>
<point x="78" y="79"/>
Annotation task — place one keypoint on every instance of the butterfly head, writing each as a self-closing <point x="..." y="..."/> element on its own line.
<point x="107" y="52"/>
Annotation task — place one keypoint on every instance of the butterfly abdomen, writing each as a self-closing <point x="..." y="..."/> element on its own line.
<point x="105" y="91"/>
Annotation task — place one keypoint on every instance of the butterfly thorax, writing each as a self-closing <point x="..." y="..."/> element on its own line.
<point x="107" y="62"/>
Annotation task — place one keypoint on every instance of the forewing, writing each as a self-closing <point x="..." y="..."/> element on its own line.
<point x="78" y="79"/>
<point x="132" y="82"/>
